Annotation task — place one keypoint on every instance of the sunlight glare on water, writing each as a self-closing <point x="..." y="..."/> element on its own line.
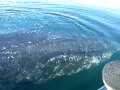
<point x="98" y="3"/>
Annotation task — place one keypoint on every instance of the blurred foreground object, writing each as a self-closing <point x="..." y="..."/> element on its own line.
<point x="111" y="75"/>
<point x="102" y="88"/>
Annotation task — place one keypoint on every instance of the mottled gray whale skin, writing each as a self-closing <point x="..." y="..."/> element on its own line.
<point x="40" y="56"/>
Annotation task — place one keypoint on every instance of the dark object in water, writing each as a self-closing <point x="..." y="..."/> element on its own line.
<point x="37" y="57"/>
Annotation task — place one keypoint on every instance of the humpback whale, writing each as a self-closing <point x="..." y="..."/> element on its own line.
<point x="38" y="56"/>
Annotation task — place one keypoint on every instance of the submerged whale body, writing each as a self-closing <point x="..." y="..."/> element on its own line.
<point x="46" y="41"/>
<point x="40" y="56"/>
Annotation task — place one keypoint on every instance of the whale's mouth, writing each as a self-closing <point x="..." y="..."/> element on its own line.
<point x="53" y="64"/>
<point x="73" y="63"/>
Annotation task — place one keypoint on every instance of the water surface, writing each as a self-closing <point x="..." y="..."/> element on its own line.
<point x="62" y="20"/>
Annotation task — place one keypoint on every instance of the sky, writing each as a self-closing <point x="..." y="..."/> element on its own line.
<point x="99" y="3"/>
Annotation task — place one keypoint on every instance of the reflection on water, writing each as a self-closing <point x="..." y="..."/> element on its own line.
<point x="54" y="46"/>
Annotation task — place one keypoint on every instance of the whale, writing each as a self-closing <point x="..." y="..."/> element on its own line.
<point x="39" y="56"/>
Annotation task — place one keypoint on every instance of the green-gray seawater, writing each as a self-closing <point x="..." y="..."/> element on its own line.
<point x="56" y="46"/>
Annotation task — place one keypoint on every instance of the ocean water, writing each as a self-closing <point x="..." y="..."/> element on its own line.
<point x="59" y="21"/>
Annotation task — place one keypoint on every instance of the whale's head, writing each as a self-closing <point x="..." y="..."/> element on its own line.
<point x="39" y="56"/>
